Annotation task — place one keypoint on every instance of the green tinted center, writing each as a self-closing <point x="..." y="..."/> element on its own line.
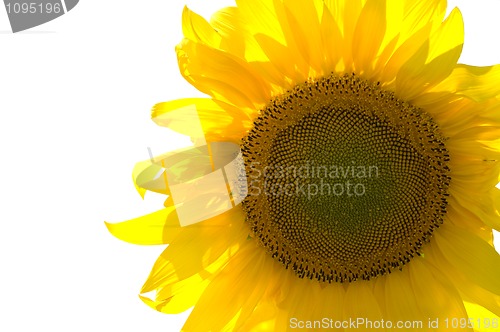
<point x="346" y="182"/>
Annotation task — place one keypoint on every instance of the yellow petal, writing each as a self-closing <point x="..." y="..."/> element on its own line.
<point x="247" y="274"/>
<point x="191" y="261"/>
<point x="238" y="39"/>
<point x="470" y="290"/>
<point x="394" y="12"/>
<point x="478" y="83"/>
<point x="261" y="18"/>
<point x="235" y="38"/>
<point x="196" y="28"/>
<point x="461" y="217"/>
<point x="331" y="39"/>
<point x="368" y="35"/>
<point x="436" y="298"/>
<point x="481" y="319"/>
<point x="179" y="284"/>
<point x="148" y="175"/>
<point x="303" y="20"/>
<point x="400" y="302"/>
<point x="197" y="246"/>
<point x="295" y="39"/>
<point x="276" y="54"/>
<point x="434" y="61"/>
<point x="360" y="303"/>
<point x="419" y="14"/>
<point x="301" y="301"/>
<point x="180" y="300"/>
<point x="221" y="75"/>
<point x="262" y="319"/>
<point x="159" y="227"/>
<point x="471" y="255"/>
<point x="347" y="15"/>
<point x="219" y="121"/>
<point x="486" y="205"/>
<point x="403" y="53"/>
<point x="138" y="169"/>
<point x="179" y="166"/>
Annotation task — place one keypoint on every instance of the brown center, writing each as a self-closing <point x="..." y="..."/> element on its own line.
<point x="345" y="181"/>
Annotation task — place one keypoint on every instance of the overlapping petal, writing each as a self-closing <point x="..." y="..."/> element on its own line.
<point x="159" y="227"/>
<point x="471" y="255"/>
<point x="219" y="121"/>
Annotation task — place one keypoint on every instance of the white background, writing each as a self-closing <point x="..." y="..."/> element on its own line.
<point x="75" y="99"/>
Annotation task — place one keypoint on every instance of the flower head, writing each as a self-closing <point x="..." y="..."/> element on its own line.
<point x="344" y="167"/>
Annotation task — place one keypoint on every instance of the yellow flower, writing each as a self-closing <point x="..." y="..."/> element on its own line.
<point x="371" y="159"/>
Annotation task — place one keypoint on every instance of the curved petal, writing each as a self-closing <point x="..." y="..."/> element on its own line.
<point x="360" y="303"/>
<point x="403" y="54"/>
<point x="159" y="227"/>
<point x="394" y="15"/>
<point x="263" y="319"/>
<point x="407" y="33"/>
<point x="477" y="83"/>
<point x="138" y="169"/>
<point x="347" y="15"/>
<point x="236" y="40"/>
<point x="400" y="302"/>
<point x="468" y="253"/>
<point x="303" y="18"/>
<point x="486" y="206"/>
<point x="420" y="13"/>
<point x="261" y="18"/>
<point x="469" y="289"/>
<point x="434" y="61"/>
<point x="196" y="28"/>
<point x="222" y="75"/>
<point x="219" y="121"/>
<point x="294" y="40"/>
<point x="181" y="297"/>
<point x="481" y="319"/>
<point x="461" y="217"/>
<point x="181" y="165"/>
<point x="193" y="258"/>
<point x="276" y="52"/>
<point x="246" y="272"/>
<point x="331" y="39"/>
<point x="239" y="39"/>
<point x="436" y="298"/>
<point x="368" y="36"/>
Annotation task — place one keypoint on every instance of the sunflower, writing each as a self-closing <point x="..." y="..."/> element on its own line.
<point x="343" y="174"/>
